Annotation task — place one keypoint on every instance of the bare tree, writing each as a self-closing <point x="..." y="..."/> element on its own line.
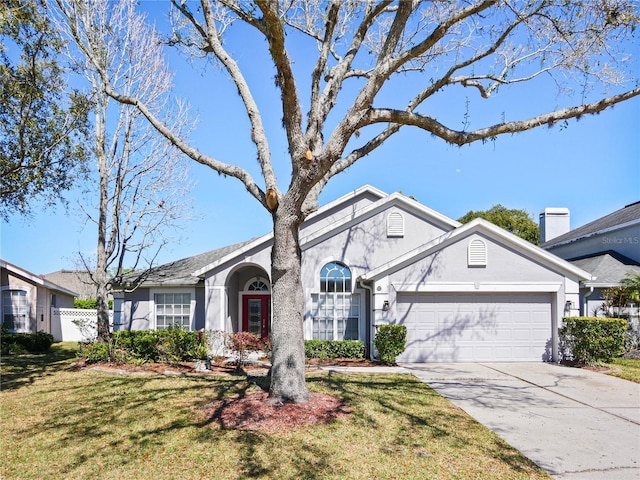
<point x="143" y="180"/>
<point x="484" y="47"/>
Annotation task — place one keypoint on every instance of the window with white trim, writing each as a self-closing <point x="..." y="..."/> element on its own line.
<point x="477" y="253"/>
<point x="395" y="225"/>
<point x="336" y="311"/>
<point x="172" y="309"/>
<point x="15" y="310"/>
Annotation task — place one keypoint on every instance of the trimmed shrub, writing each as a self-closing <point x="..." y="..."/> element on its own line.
<point x="170" y="345"/>
<point x="390" y="342"/>
<point x="176" y="344"/>
<point x="95" y="352"/>
<point x="590" y="340"/>
<point x="141" y="345"/>
<point x="333" y="349"/>
<point x="25" y="342"/>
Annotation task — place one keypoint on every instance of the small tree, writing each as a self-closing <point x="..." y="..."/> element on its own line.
<point x="616" y="299"/>
<point x="632" y="283"/>
<point x="518" y="222"/>
<point x="242" y="344"/>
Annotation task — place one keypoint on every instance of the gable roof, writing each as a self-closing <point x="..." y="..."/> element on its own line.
<point x="397" y="198"/>
<point x="35" y="279"/>
<point x="477" y="225"/>
<point x="629" y="215"/>
<point x="181" y="272"/>
<point x="607" y="267"/>
<point x="315" y="236"/>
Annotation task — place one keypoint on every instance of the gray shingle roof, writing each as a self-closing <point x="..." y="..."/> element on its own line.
<point x="180" y="272"/>
<point x="619" y="217"/>
<point x="609" y="267"/>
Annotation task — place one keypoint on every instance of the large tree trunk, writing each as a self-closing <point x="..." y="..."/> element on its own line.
<point x="287" y="356"/>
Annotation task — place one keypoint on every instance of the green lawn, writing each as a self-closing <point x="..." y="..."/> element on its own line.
<point x="627" y="368"/>
<point x="60" y="423"/>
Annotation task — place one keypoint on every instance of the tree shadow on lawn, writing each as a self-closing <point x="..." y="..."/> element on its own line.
<point x="97" y="418"/>
<point x="396" y="418"/>
<point x="23" y="369"/>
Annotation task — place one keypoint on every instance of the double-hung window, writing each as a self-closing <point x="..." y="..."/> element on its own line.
<point x="15" y="310"/>
<point x="336" y="311"/>
<point x="173" y="309"/>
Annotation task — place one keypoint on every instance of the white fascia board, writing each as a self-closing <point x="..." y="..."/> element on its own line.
<point x="479" y="287"/>
<point x="357" y="192"/>
<point x="600" y="284"/>
<point x="237" y="253"/>
<point x="482" y="226"/>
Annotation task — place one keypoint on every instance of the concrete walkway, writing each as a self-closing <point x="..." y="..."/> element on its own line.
<point x="574" y="423"/>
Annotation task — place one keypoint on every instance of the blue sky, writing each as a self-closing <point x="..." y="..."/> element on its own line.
<point x="591" y="166"/>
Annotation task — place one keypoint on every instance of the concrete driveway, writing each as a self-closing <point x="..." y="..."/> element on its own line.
<point x="574" y="423"/>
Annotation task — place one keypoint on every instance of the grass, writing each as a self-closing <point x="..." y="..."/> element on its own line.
<point x="60" y="423"/>
<point x="627" y="368"/>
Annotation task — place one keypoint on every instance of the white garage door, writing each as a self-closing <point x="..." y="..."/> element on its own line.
<point x="475" y="327"/>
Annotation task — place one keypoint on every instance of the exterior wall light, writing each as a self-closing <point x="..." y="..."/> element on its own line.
<point x="385" y="306"/>
<point x="568" y="306"/>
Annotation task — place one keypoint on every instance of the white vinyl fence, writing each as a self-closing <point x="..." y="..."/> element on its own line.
<point x="74" y="325"/>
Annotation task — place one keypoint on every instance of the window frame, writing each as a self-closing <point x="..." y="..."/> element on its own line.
<point x="26" y="327"/>
<point x="173" y="291"/>
<point x="335" y="307"/>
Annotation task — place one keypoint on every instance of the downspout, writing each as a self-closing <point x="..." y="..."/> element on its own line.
<point x="371" y="322"/>
<point x="585" y="312"/>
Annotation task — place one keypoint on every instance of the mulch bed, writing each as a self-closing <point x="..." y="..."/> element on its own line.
<point x="254" y="412"/>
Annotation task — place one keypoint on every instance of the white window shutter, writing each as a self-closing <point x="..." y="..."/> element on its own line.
<point x="477" y="253"/>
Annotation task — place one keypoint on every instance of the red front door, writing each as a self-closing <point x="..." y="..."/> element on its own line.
<point x="256" y="314"/>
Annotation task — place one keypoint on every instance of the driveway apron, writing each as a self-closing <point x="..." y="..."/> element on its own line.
<point x="574" y="423"/>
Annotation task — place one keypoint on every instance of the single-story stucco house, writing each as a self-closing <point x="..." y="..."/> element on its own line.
<point x="608" y="248"/>
<point x="27" y="299"/>
<point x="471" y="292"/>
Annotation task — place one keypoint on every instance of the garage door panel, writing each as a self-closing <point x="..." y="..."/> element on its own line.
<point x="475" y="327"/>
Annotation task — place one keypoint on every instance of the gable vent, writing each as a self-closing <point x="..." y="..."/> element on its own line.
<point x="477" y="254"/>
<point x="395" y="225"/>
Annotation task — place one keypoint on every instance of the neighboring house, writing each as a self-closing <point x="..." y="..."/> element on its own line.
<point x="470" y="292"/>
<point x="26" y="299"/>
<point x="608" y="248"/>
<point x="76" y="280"/>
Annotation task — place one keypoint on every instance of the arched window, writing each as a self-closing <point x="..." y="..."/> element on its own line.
<point x="336" y="311"/>
<point x="335" y="277"/>
<point x="258" y="286"/>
